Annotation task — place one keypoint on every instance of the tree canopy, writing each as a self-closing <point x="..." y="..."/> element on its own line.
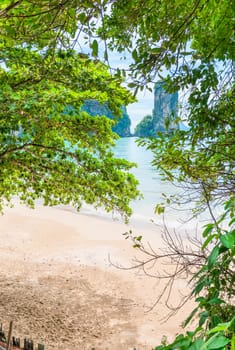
<point x="49" y="147"/>
<point x="145" y="127"/>
<point x="189" y="45"/>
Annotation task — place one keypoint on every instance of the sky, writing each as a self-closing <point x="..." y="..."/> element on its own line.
<point x="138" y="110"/>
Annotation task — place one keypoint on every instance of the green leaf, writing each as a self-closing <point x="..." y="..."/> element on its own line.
<point x="208" y="240"/>
<point x="181" y="342"/>
<point x="203" y="317"/>
<point x="132" y="85"/>
<point x="209" y="228"/>
<point x="215" y="301"/>
<point x="232" y="222"/>
<point x="134" y="55"/>
<point x="72" y="12"/>
<point x="217" y="342"/>
<point x="213" y="256"/>
<point x="190" y="317"/>
<point x="221" y="327"/>
<point x="197" y="344"/>
<point x="82" y="17"/>
<point x="136" y="245"/>
<point x="159" y="209"/>
<point x="233" y="343"/>
<point x="138" y="238"/>
<point x="227" y="240"/>
<point x="95" y="48"/>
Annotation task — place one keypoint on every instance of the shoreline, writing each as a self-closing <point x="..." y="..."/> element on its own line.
<point x="56" y="272"/>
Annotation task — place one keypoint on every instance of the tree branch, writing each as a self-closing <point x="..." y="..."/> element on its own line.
<point x="3" y="12"/>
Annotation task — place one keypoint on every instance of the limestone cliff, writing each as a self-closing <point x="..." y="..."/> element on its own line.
<point x="163" y="115"/>
<point x="165" y="108"/>
<point x="122" y="127"/>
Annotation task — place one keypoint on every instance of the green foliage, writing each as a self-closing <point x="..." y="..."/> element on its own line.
<point x="145" y="128"/>
<point x="213" y="284"/>
<point x="49" y="148"/>
<point x="214" y="291"/>
<point x="158" y="34"/>
<point x="216" y="338"/>
<point x="47" y="23"/>
<point x="121" y="123"/>
<point x="202" y="158"/>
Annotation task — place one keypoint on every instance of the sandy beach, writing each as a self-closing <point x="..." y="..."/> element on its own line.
<point x="58" y="285"/>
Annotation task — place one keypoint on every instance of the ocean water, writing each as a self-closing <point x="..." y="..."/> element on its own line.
<point x="150" y="182"/>
<point x="152" y="187"/>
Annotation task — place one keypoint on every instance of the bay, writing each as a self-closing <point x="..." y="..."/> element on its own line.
<point x="150" y="182"/>
<point x="153" y="187"/>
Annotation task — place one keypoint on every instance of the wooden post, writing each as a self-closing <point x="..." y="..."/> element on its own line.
<point x="16" y="342"/>
<point x="2" y="335"/>
<point x="9" y="336"/>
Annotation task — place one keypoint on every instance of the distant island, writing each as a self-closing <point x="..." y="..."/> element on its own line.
<point x="162" y="117"/>
<point x="123" y="124"/>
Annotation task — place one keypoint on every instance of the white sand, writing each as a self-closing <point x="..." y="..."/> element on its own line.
<point x="57" y="283"/>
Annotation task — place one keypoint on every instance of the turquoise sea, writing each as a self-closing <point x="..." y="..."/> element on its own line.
<point x="152" y="186"/>
<point x="150" y="183"/>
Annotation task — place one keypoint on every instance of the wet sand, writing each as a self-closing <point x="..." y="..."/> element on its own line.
<point x="59" y="285"/>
